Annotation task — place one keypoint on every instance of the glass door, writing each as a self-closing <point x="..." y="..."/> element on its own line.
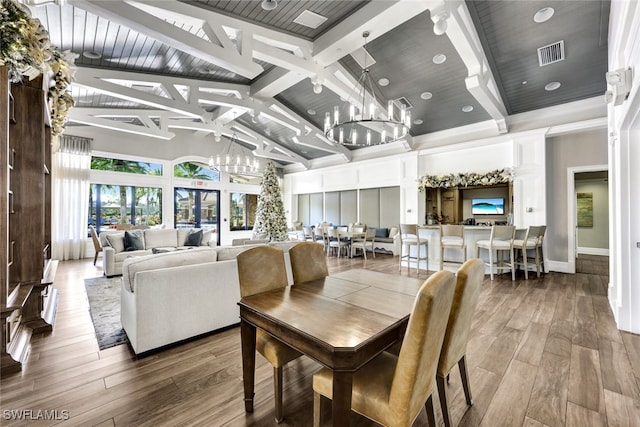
<point x="198" y="209"/>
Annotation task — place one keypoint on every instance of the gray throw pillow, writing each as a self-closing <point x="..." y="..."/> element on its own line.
<point x="133" y="241"/>
<point x="194" y="238"/>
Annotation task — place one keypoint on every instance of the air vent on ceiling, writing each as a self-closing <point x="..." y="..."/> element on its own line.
<point x="363" y="58"/>
<point x="403" y="101"/>
<point x="551" y="54"/>
<point x="310" y="19"/>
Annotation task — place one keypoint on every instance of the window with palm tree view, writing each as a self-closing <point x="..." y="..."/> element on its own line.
<point x="196" y="208"/>
<point x="110" y="205"/>
<point x="243" y="211"/>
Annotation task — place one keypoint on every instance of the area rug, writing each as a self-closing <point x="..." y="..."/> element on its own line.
<point x="104" y="306"/>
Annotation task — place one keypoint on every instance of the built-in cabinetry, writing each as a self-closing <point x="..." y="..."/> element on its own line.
<point x="27" y="297"/>
<point x="453" y="205"/>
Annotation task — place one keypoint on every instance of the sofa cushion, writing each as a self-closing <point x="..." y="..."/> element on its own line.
<point x="161" y="238"/>
<point x="183" y="233"/>
<point x="116" y="241"/>
<point x="194" y="238"/>
<point x="393" y="231"/>
<point x="121" y="256"/>
<point x="382" y="232"/>
<point x="133" y="265"/>
<point x="133" y="241"/>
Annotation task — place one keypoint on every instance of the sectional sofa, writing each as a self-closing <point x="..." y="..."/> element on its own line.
<point x="169" y="297"/>
<point x="115" y="249"/>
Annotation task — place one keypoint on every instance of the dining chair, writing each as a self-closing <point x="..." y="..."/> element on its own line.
<point x="308" y="262"/>
<point x="336" y="240"/>
<point x="469" y="280"/>
<point x="409" y="237"/>
<point x="500" y="241"/>
<point x="96" y="243"/>
<point x="320" y="235"/>
<point x="262" y="269"/>
<point x="363" y="241"/>
<point x="308" y="233"/>
<point x="522" y="247"/>
<point x="452" y="237"/>
<point x="391" y="390"/>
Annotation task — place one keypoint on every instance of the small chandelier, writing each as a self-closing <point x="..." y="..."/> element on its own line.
<point x="367" y="125"/>
<point x="231" y="162"/>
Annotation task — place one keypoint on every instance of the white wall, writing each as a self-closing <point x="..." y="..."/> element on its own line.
<point x="624" y="174"/>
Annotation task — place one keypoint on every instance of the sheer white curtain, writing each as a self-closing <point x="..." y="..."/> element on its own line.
<point x="70" y="198"/>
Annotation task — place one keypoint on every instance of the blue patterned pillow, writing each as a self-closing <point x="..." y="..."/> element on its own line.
<point x="133" y="241"/>
<point x="382" y="232"/>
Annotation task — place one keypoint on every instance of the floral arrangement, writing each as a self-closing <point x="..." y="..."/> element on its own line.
<point x="497" y="176"/>
<point x="26" y="51"/>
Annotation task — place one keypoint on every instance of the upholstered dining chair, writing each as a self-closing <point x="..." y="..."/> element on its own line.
<point x="469" y="280"/>
<point x="308" y="233"/>
<point x="500" y="241"/>
<point x="390" y="389"/>
<point x="96" y="243"/>
<point x="262" y="269"/>
<point x="522" y="247"/>
<point x="308" y="262"/>
<point x="409" y="238"/>
<point x="363" y="241"/>
<point x="336" y="240"/>
<point x="452" y="237"/>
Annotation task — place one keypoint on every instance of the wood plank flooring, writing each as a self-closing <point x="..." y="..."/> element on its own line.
<point x="542" y="352"/>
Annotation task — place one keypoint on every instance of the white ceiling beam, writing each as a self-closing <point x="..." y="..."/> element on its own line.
<point x="261" y="143"/>
<point x="377" y="17"/>
<point x="93" y="79"/>
<point x="480" y="81"/>
<point x="158" y="29"/>
<point x="88" y="116"/>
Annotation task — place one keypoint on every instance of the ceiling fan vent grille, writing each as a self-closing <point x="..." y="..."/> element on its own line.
<point x="403" y="101"/>
<point x="551" y="54"/>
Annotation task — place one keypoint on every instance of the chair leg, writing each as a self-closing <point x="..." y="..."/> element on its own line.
<point x="431" y="415"/>
<point x="524" y="261"/>
<point x="462" y="364"/>
<point x="95" y="258"/>
<point x="491" y="263"/>
<point x="513" y="261"/>
<point x="277" y="392"/>
<point x="442" y="393"/>
<point x="317" y="409"/>
<point x="537" y="262"/>
<point x="441" y="257"/>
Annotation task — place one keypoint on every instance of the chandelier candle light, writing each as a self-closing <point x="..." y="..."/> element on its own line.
<point x="234" y="163"/>
<point x="365" y="117"/>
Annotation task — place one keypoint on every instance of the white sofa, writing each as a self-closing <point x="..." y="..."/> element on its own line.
<point x="169" y="297"/>
<point x="390" y="242"/>
<point x="164" y="240"/>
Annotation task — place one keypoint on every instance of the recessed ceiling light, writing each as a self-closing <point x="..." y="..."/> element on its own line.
<point x="311" y="112"/>
<point x="525" y="82"/>
<point x="205" y="70"/>
<point x="418" y="122"/>
<point x="467" y="108"/>
<point x="426" y="95"/>
<point x="439" y="58"/>
<point x="552" y="86"/>
<point x="543" y="15"/>
<point x="89" y="54"/>
<point x="383" y="82"/>
<point x="310" y="19"/>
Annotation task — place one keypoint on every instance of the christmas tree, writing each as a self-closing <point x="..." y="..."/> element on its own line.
<point x="270" y="216"/>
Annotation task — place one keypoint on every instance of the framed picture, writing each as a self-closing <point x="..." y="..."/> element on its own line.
<point x="584" y="203"/>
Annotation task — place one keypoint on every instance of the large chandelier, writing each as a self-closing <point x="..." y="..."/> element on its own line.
<point x="368" y="123"/>
<point x="230" y="161"/>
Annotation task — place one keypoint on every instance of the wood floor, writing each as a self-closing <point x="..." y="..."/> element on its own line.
<point x="542" y="352"/>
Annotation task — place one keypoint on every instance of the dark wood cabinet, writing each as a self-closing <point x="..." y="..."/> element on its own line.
<point x="27" y="299"/>
<point x="451" y="206"/>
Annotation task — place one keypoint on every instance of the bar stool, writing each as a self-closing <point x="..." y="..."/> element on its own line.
<point x="501" y="240"/>
<point x="539" y="254"/>
<point x="452" y="237"/>
<point x="409" y="237"/>
<point x="521" y="247"/>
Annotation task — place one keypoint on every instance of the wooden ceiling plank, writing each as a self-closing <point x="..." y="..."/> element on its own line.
<point x="170" y="34"/>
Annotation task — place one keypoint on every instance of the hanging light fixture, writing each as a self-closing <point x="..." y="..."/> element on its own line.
<point x="366" y="125"/>
<point x="231" y="162"/>
<point x="269" y="4"/>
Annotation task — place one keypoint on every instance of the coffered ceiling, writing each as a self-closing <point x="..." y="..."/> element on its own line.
<point x="224" y="67"/>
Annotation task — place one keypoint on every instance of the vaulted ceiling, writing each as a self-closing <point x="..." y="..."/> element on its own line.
<point x="231" y="67"/>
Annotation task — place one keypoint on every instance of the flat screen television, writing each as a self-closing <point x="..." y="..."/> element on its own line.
<point x="488" y="206"/>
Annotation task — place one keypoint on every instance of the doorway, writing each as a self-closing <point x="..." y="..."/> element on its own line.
<point x="198" y="209"/>
<point x="588" y="213"/>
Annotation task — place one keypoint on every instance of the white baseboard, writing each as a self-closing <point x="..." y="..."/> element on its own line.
<point x="593" y="251"/>
<point x="561" y="266"/>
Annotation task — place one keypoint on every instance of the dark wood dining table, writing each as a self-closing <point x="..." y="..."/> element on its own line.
<point x="342" y="321"/>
